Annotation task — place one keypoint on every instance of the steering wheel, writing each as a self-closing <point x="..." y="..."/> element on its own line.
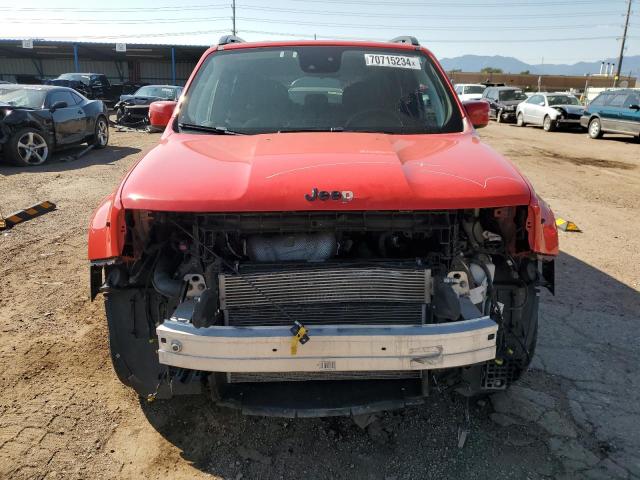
<point x="372" y="112"/>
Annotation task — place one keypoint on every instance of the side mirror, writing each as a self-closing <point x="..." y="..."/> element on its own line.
<point x="160" y="113"/>
<point x="635" y="107"/>
<point x="478" y="112"/>
<point x="57" y="106"/>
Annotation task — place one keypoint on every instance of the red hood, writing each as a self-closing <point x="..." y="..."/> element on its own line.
<point x="273" y="172"/>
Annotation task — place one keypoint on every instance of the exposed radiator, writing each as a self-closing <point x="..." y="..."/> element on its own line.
<point x="307" y="376"/>
<point x="314" y="295"/>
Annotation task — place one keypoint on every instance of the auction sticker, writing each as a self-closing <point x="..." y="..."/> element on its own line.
<point x="393" y="61"/>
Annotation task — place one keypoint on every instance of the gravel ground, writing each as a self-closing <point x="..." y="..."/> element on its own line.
<point x="575" y="414"/>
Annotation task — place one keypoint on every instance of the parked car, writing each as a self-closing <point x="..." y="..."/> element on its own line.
<point x="615" y="111"/>
<point x="134" y="109"/>
<point x="469" y="91"/>
<point x="371" y="248"/>
<point x="94" y="86"/>
<point x="503" y="102"/>
<point x="550" y="110"/>
<point x="37" y="120"/>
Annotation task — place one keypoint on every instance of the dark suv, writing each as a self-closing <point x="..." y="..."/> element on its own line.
<point x="503" y="102"/>
<point x="613" y="111"/>
<point x="95" y="86"/>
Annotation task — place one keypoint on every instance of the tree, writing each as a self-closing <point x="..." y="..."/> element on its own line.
<point x="526" y="72"/>
<point x="491" y="70"/>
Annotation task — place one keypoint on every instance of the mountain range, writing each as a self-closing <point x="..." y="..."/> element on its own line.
<point x="475" y="63"/>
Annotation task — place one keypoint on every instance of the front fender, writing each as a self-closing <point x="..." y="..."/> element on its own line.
<point x="107" y="230"/>
<point x="554" y="114"/>
<point x="542" y="229"/>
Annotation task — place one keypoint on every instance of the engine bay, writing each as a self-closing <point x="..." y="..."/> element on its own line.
<point x="344" y="268"/>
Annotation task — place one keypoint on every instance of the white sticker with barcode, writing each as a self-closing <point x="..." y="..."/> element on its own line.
<point x="393" y="61"/>
<point x="327" y="365"/>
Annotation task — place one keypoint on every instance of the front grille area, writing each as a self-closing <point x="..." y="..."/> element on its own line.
<point x="331" y="313"/>
<point x="313" y="295"/>
<point x="310" y="376"/>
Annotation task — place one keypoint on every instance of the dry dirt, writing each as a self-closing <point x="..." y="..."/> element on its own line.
<point x="576" y="414"/>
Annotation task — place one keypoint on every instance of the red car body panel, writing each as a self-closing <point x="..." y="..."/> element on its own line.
<point x="107" y="230"/>
<point x="273" y="172"/>
<point x="543" y="232"/>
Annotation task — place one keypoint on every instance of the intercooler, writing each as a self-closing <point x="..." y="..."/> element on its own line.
<point x="325" y="295"/>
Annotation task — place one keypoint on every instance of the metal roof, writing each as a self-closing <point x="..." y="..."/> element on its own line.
<point x="12" y="48"/>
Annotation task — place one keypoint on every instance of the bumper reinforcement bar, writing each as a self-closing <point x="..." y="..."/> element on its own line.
<point x="332" y="347"/>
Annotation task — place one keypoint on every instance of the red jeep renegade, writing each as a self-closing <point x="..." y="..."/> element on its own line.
<point x="321" y="232"/>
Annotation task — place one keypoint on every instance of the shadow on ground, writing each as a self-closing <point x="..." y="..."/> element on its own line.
<point x="61" y="161"/>
<point x="537" y="432"/>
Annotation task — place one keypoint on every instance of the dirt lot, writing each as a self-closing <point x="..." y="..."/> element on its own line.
<point x="576" y="414"/>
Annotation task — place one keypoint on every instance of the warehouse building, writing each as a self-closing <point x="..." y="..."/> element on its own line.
<point x="32" y="61"/>
<point x="531" y="82"/>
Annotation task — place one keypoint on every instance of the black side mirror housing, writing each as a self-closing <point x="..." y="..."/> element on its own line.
<point x="635" y="107"/>
<point x="57" y="106"/>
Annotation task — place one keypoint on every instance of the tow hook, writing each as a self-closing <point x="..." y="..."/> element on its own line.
<point x="300" y="336"/>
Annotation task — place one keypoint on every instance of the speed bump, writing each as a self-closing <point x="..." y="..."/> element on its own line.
<point x="567" y="226"/>
<point x="26" y="214"/>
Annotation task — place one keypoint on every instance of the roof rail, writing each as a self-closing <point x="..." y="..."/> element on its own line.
<point x="227" y="39"/>
<point x="406" y="39"/>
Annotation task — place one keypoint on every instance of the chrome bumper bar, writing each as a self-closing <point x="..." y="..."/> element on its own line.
<point x="331" y="347"/>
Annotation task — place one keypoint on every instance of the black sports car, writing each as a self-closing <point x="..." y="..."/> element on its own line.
<point x="35" y="120"/>
<point x="134" y="109"/>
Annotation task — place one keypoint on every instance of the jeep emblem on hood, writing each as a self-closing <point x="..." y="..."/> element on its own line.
<point x="345" y="196"/>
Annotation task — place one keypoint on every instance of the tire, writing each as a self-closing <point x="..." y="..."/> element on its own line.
<point x="28" y="147"/>
<point x="520" y="120"/>
<point x="100" y="137"/>
<point x="595" y="128"/>
<point x="499" y="116"/>
<point x="548" y="125"/>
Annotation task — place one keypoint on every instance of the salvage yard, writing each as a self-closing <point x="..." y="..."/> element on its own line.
<point x="576" y="414"/>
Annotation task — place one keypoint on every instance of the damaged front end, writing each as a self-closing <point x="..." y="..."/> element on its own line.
<point x="132" y="112"/>
<point x="369" y="309"/>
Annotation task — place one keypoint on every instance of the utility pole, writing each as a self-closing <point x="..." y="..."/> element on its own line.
<point x="233" y="9"/>
<point x="624" y="40"/>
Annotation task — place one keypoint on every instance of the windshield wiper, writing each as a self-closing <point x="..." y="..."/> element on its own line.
<point x="204" y="128"/>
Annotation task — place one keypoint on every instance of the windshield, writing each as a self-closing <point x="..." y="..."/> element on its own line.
<point x="320" y="88"/>
<point x="474" y="89"/>
<point x="24" y="98"/>
<point x="168" y="93"/>
<point x="563" y="100"/>
<point x="508" y="95"/>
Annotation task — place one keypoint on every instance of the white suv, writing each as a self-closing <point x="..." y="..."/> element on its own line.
<point x="469" y="91"/>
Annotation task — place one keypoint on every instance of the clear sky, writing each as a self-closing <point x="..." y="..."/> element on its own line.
<point x="560" y="31"/>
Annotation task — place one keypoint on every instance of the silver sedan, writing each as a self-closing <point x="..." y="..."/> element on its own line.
<point x="550" y="110"/>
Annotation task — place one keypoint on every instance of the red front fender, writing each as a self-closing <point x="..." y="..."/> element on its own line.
<point x="107" y="230"/>
<point x="541" y="225"/>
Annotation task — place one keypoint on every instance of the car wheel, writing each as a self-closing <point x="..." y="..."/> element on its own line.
<point x="499" y="116"/>
<point x="520" y="120"/>
<point x="595" y="128"/>
<point x="100" y="138"/>
<point x="28" y="147"/>
<point x="548" y="125"/>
